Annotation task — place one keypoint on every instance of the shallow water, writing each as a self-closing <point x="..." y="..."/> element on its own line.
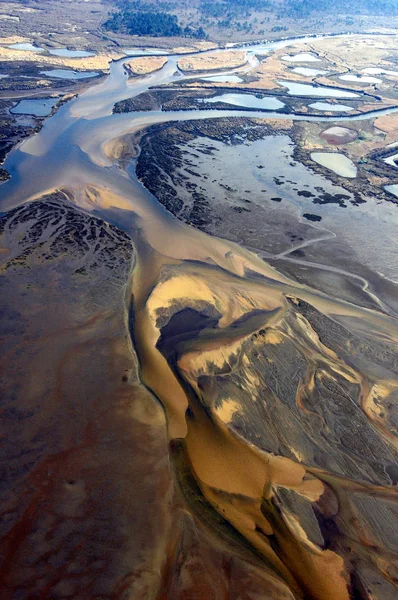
<point x="40" y="107"/>
<point x="326" y="106"/>
<point x="379" y="71"/>
<point x="68" y="74"/>
<point x="392" y="160"/>
<point x="223" y="79"/>
<point x="26" y="46"/>
<point x="306" y="72"/>
<point x="360" y="79"/>
<point x="306" y="89"/>
<point x="71" y="53"/>
<point x="301" y="57"/>
<point x="336" y="162"/>
<point x="247" y="100"/>
<point x="145" y="51"/>
<point x="393" y="189"/>
<point x="25" y="121"/>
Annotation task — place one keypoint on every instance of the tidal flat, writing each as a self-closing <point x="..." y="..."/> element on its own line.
<point x="200" y="333"/>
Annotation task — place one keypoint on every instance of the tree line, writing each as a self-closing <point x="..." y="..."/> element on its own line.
<point x="149" y="23"/>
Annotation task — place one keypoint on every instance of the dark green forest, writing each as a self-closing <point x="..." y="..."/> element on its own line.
<point x="158" y="19"/>
<point x="149" y="23"/>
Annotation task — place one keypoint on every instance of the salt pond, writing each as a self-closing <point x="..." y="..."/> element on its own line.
<point x="247" y="100"/>
<point x="223" y="79"/>
<point x="145" y="51"/>
<point x="360" y="79"/>
<point x="336" y="162"/>
<point x="306" y="89"/>
<point x="339" y="135"/>
<point x="302" y="57"/>
<point x="308" y="72"/>
<point x="67" y="74"/>
<point x="26" y="46"/>
<point x="64" y="52"/>
<point x="393" y="189"/>
<point x="326" y="106"/>
<point x="39" y="107"/>
<point x="392" y="160"/>
<point x="378" y="71"/>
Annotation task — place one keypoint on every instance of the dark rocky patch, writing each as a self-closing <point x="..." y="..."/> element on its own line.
<point x="311" y="217"/>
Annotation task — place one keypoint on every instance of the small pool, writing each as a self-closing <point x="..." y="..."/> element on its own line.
<point x="360" y="79"/>
<point x="336" y="162"/>
<point x="306" y="89"/>
<point x="393" y="189"/>
<point x="378" y="71"/>
<point x="326" y="106"/>
<point x="145" y="52"/>
<point x="223" y="79"/>
<point x="309" y="72"/>
<point x="68" y="74"/>
<point x="247" y="101"/>
<point x="301" y="57"/>
<point x="26" y="46"/>
<point x="392" y="160"/>
<point x="64" y="52"/>
<point x="39" y="107"/>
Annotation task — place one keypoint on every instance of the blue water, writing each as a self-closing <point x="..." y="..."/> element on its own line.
<point x="68" y="74"/>
<point x="70" y="53"/>
<point x="306" y="89"/>
<point x="40" y="107"/>
<point x="326" y="106"/>
<point x="26" y="46"/>
<point x="247" y="100"/>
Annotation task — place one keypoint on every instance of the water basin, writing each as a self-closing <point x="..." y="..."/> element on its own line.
<point x="336" y="162"/>
<point x="378" y="71"/>
<point x="71" y="53"/>
<point x="40" y="107"/>
<point x="339" y="135"/>
<point x="68" y="74"/>
<point x="360" y="79"/>
<point x="306" y="89"/>
<point x="26" y="46"/>
<point x="145" y="51"/>
<point x="247" y="100"/>
<point x="393" y="189"/>
<point x="223" y="79"/>
<point x="302" y="57"/>
<point x="309" y="72"/>
<point x="392" y="160"/>
<point x="326" y="106"/>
